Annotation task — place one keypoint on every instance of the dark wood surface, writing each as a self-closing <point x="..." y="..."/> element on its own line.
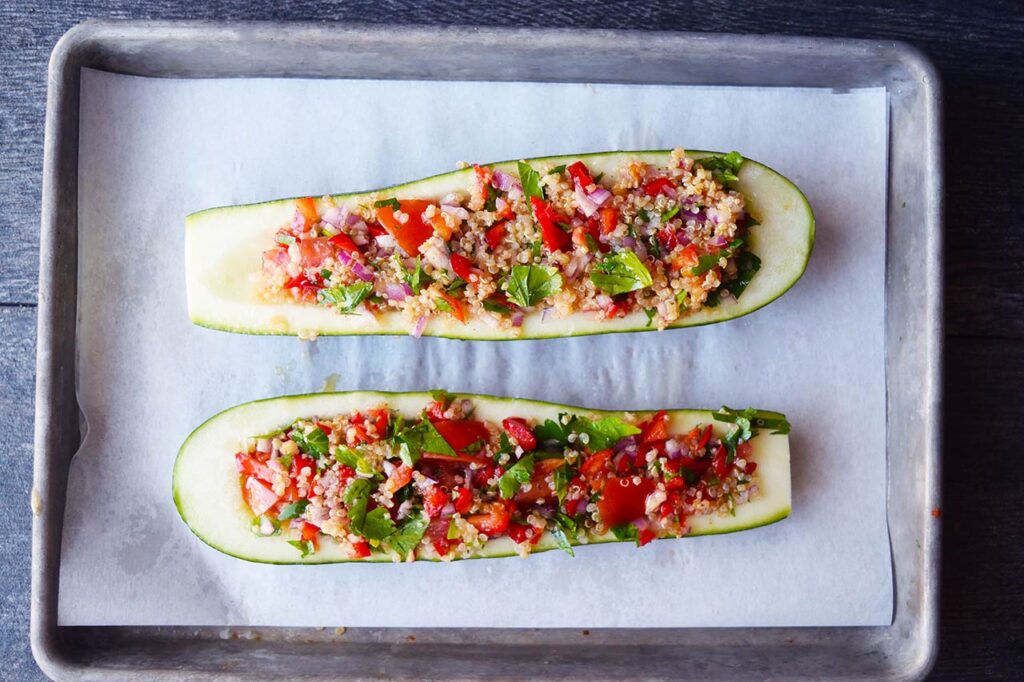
<point x="979" y="50"/>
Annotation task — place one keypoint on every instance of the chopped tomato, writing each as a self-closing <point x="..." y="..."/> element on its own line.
<point x="483" y="176"/>
<point x="494" y="522"/>
<point x="519" y="533"/>
<point x="457" y="311"/>
<point x="399" y="478"/>
<point x="744" y="450"/>
<point x="518" y="429"/>
<point x="697" y="465"/>
<point x="687" y="258"/>
<point x="645" y="536"/>
<point x="345" y="243"/>
<point x="324" y="427"/>
<point x="496" y="234"/>
<point x="435" y="410"/>
<point x="656" y="429"/>
<point x="380" y="422"/>
<point x="441" y="226"/>
<point x="462" y="266"/>
<point x="705" y="436"/>
<point x="250" y="466"/>
<point x="609" y="219"/>
<point x="461" y="433"/>
<point x="667" y="238"/>
<point x="623" y="501"/>
<point x="434" y="501"/>
<point x="413" y="231"/>
<point x="750" y="468"/>
<point x="593" y="465"/>
<point x="300" y="462"/>
<point x="719" y="462"/>
<point x="483" y="474"/>
<point x="616" y="309"/>
<point x="377" y="231"/>
<point x="658" y="186"/>
<point x="303" y="284"/>
<point x="463" y="499"/>
<point x="307" y="207"/>
<point x="580" y="173"/>
<point x="555" y="239"/>
<point x="314" y="251"/>
<point x="437" y="531"/>
<point x="360" y="549"/>
<point x="309" y="531"/>
<point x="259" y="496"/>
<point x="539" y="487"/>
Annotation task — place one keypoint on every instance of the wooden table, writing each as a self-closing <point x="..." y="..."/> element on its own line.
<point x="979" y="50"/>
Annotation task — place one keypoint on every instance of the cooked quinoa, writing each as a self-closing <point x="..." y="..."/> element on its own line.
<point x="372" y="480"/>
<point x="666" y="240"/>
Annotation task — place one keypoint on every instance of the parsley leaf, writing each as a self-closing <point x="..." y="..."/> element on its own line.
<point x="408" y="536"/>
<point x="557" y="170"/>
<point x="669" y="214"/>
<point x="563" y="475"/>
<point x="495" y="307"/>
<point x="561" y="539"/>
<point x="351" y="458"/>
<point x="378" y="525"/>
<point x="392" y="202"/>
<point x="620" y="273"/>
<point x="346" y="298"/>
<point x="762" y="419"/>
<point x="314" y="442"/>
<point x="528" y="285"/>
<point x="747" y="265"/>
<point x="724" y="167"/>
<point x="424" y="437"/>
<point x="604" y="433"/>
<point x="293" y="510"/>
<point x="417" y="279"/>
<point x="710" y="260"/>
<point x="357" y="496"/>
<point x="490" y="203"/>
<point x="650" y="313"/>
<point x="553" y="432"/>
<point x="304" y="546"/>
<point x="453" y="531"/>
<point x="513" y="479"/>
<point x="626" y="531"/>
<point x="285" y="239"/>
<point x="530" y="180"/>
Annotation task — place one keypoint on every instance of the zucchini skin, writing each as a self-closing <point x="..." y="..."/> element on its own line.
<point x="196" y="465"/>
<point x="788" y="215"/>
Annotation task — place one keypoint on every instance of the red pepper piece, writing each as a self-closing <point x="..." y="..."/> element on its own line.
<point x="554" y="237"/>
<point x="658" y="186"/>
<point x="580" y="173"/>
<point x="496" y="234"/>
<point x="518" y="429"/>
<point x="656" y="429"/>
<point x="462" y="266"/>
<point x="345" y="243"/>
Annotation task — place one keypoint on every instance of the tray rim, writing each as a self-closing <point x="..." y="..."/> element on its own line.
<point x="81" y="46"/>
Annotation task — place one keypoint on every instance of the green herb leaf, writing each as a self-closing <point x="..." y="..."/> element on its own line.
<point x="314" y="442"/>
<point x="747" y="265"/>
<point x="653" y="246"/>
<point x="620" y="273"/>
<point x="357" y="496"/>
<point x="456" y="284"/>
<point x="417" y="279"/>
<point x="591" y="243"/>
<point x="553" y="432"/>
<point x="293" y="510"/>
<point x="304" y="546"/>
<point x="285" y="239"/>
<point x="528" y="285"/>
<point x="760" y="419"/>
<point x="378" y="525"/>
<point x="495" y="307"/>
<point x="535" y="249"/>
<point x="668" y="215"/>
<point x="513" y="479"/>
<point x="442" y="396"/>
<point x="561" y="539"/>
<point x="408" y="536"/>
<point x="723" y="167"/>
<point x="626" y="531"/>
<point x="557" y="170"/>
<point x="651" y="313"/>
<point x="346" y="298"/>
<point x="604" y="433"/>
<point x="443" y="305"/>
<point x="353" y="459"/>
<point x="530" y="180"/>
<point x="706" y="262"/>
<point x="563" y="475"/>
<point x="423" y="437"/>
<point x="491" y="199"/>
<point x="453" y="531"/>
<point x="392" y="202"/>
<point x="597" y="178"/>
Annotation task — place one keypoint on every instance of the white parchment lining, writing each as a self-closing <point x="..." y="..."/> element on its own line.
<point x="153" y="150"/>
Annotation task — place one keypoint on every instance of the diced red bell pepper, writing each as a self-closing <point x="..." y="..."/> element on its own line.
<point x="554" y="237"/>
<point x="345" y="243"/>
<point x="434" y="501"/>
<point x="658" y="186"/>
<point x="360" y="549"/>
<point x="483" y="176"/>
<point x="462" y="266"/>
<point x="518" y="429"/>
<point x="299" y="462"/>
<point x="250" y="466"/>
<point x="580" y="173"/>
<point x="494" y="521"/>
<point x="437" y="532"/>
<point x="705" y="436"/>
<point x="645" y="536"/>
<point x="461" y="433"/>
<point x="609" y="219"/>
<point x="623" y="501"/>
<point x="616" y="309"/>
<point x="593" y="464"/>
<point x="496" y="234"/>
<point x="656" y="429"/>
<point x="412" y="232"/>
<point x="457" y="311"/>
<point x="539" y="487"/>
<point x="667" y="238"/>
<point x="399" y="478"/>
<point x="519" y="533"/>
<point x="259" y="496"/>
<point x="309" y="531"/>
<point x="463" y="500"/>
<point x="719" y="463"/>
<point x="380" y="422"/>
<point x="324" y="427"/>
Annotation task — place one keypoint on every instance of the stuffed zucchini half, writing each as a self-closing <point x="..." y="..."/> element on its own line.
<point x="363" y="476"/>
<point x="547" y="247"/>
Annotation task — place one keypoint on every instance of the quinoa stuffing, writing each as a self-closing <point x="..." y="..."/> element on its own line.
<point x="444" y="483"/>
<point x="669" y="241"/>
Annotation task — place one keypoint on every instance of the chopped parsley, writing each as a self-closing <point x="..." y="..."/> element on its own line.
<point x="723" y="167"/>
<point x="390" y="202"/>
<point x="346" y="298"/>
<point x="530" y="179"/>
<point x="621" y="273"/>
<point x="513" y="479"/>
<point x="293" y="510"/>
<point x="528" y="285"/>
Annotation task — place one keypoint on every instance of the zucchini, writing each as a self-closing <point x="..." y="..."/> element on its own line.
<point x="223" y="248"/>
<point x="207" y="490"/>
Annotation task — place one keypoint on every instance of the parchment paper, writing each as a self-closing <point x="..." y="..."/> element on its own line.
<point x="153" y="150"/>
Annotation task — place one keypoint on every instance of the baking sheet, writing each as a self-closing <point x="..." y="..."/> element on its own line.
<point x="152" y="150"/>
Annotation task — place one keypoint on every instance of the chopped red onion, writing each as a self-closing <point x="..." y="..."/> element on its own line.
<point x="357" y="268"/>
<point x="600" y="195"/>
<point x="353" y="218"/>
<point x="626" y="445"/>
<point x="263" y="445"/>
<point x="586" y="204"/>
<point x="718" y="242"/>
<point x="505" y="182"/>
<point x="396" y="291"/>
<point x="603" y="300"/>
<point x="447" y="510"/>
<point x="456" y="211"/>
<point x="628" y="242"/>
<point x="385" y="241"/>
<point x="421" y="324"/>
<point x="517" y="318"/>
<point x="500" y="205"/>
<point x="332" y="216"/>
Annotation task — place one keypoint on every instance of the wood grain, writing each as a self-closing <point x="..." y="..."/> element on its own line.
<point x="977" y="49"/>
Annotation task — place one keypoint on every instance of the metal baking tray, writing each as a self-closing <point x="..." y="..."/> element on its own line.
<point x="913" y="299"/>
